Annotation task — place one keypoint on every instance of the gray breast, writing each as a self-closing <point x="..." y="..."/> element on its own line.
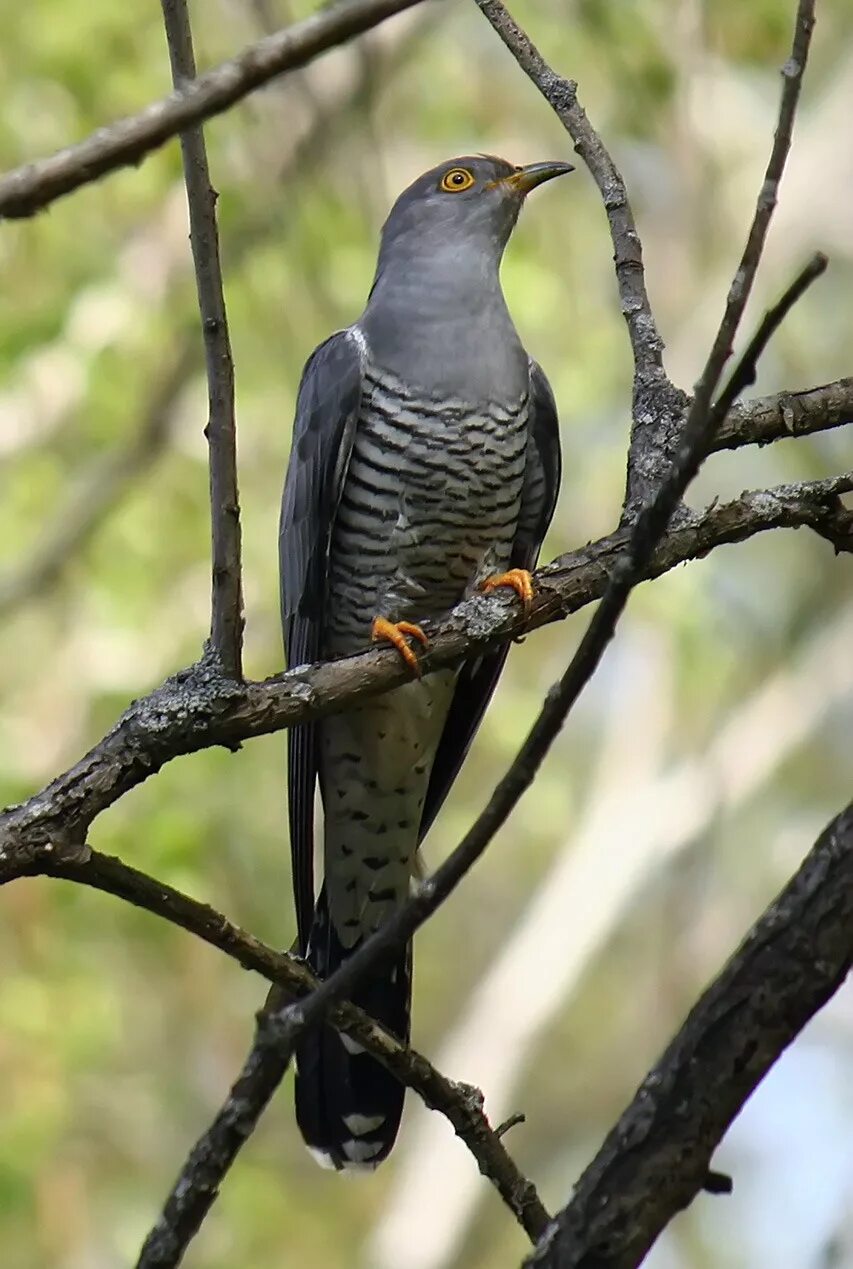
<point x="429" y="506"/>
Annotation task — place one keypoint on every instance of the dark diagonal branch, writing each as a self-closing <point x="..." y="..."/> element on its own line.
<point x="197" y="708"/>
<point x="34" y="186"/>
<point x="226" y="619"/>
<point x="459" y="1103"/>
<point x="656" y="1159"/>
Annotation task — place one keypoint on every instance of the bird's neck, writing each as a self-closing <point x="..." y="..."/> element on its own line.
<point x="445" y="327"/>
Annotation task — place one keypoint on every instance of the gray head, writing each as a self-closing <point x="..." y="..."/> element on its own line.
<point x="436" y="312"/>
<point x="465" y="207"/>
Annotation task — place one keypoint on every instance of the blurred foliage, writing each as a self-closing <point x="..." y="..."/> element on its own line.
<point x="120" y="1035"/>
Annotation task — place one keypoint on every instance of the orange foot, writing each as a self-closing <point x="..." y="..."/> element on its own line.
<point x="394" y="632"/>
<point x="519" y="579"/>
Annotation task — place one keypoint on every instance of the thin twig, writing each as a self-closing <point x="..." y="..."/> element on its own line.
<point x="745" y="371"/>
<point x="226" y="619"/>
<point x="27" y="189"/>
<point x="656" y="1159"/>
<point x="196" y="708"/>
<point x="792" y="74"/>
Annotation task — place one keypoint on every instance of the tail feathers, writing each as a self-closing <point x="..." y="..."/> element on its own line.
<point x="348" y="1106"/>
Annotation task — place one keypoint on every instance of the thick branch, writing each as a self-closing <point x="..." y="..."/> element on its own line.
<point x="34" y="186"/>
<point x="197" y="708"/>
<point x="226" y="618"/>
<point x="459" y="1103"/>
<point x="656" y="1159"/>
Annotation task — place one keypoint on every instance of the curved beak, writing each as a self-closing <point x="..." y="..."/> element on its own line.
<point x="527" y="178"/>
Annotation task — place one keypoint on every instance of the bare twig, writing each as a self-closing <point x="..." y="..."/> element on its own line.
<point x="745" y="371"/>
<point x="226" y="620"/>
<point x="657" y="1157"/>
<point x="196" y="708"/>
<point x="34" y="186"/>
<point x="100" y="488"/>
<point x="459" y="1103"/>
<point x="792" y="73"/>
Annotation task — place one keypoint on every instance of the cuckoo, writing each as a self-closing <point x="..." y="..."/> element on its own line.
<point x="424" y="467"/>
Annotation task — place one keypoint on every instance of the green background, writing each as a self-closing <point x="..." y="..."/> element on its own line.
<point x="119" y="1035"/>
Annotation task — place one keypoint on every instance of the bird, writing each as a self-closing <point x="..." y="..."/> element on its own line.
<point x="424" y="467"/>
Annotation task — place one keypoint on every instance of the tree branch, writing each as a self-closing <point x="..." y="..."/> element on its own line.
<point x="196" y="708"/>
<point x="656" y="1159"/>
<point x="226" y="618"/>
<point x="787" y="414"/>
<point x="461" y="1104"/>
<point x="34" y="186"/>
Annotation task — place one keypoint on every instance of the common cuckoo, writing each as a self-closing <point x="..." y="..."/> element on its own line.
<point x="424" y="466"/>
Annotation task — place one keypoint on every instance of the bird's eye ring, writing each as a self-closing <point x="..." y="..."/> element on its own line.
<point x="456" y="180"/>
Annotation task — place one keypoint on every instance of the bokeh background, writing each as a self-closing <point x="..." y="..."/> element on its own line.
<point x="710" y="750"/>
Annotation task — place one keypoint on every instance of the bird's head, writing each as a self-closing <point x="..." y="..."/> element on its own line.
<point x="463" y="205"/>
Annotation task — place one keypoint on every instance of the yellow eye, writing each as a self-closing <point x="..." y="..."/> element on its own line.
<point x="457" y="179"/>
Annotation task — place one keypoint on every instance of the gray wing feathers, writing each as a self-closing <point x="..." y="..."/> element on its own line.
<point x="542" y="472"/>
<point x="327" y="409"/>
<point x="478" y="679"/>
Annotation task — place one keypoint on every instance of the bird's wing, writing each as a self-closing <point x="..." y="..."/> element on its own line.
<point x="478" y="678"/>
<point x="327" y="409"/>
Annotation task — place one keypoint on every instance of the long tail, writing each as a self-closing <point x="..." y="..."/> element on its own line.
<point x="348" y="1106"/>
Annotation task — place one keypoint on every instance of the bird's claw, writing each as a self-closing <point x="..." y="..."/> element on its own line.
<point x="394" y="632"/>
<point x="519" y="579"/>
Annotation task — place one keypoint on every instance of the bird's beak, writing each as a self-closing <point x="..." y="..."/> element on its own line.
<point x="527" y="178"/>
